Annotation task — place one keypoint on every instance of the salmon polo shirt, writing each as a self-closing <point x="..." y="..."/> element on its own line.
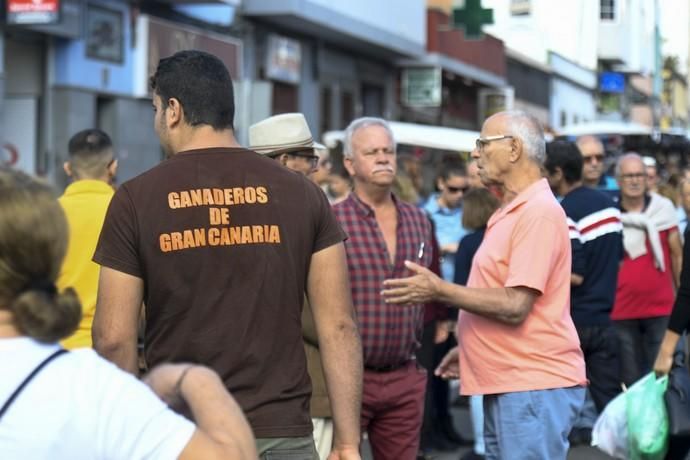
<point x="526" y="244"/>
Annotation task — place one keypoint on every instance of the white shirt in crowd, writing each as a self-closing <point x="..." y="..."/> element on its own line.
<point x="80" y="406"/>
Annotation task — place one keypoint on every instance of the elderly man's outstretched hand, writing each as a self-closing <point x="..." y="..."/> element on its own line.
<point x="421" y="287"/>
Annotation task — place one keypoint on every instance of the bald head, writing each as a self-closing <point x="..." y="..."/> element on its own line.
<point x="527" y="129"/>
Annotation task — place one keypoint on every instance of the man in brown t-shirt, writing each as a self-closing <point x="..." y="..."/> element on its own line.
<point x="220" y="244"/>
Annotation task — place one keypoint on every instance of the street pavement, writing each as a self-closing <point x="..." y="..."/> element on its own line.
<point x="462" y="423"/>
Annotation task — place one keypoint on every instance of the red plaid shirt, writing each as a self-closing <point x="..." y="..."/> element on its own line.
<point x="390" y="333"/>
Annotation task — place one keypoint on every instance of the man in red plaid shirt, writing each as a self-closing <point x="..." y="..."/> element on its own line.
<point x="382" y="233"/>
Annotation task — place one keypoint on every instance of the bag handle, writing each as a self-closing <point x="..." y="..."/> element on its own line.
<point x="28" y="379"/>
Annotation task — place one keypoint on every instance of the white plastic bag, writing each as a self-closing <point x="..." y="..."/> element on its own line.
<point x="610" y="432"/>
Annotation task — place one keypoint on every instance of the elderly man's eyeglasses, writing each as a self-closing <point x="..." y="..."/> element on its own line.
<point x="481" y="142"/>
<point x="633" y="176"/>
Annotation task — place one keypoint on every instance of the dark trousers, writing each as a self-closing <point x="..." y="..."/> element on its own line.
<point x="436" y="401"/>
<point x="602" y="360"/>
<point x="392" y="409"/>
<point x="640" y="340"/>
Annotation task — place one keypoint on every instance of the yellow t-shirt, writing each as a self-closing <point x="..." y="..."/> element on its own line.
<point x="85" y="203"/>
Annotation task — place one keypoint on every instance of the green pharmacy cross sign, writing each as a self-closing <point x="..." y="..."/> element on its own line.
<point x="472" y="17"/>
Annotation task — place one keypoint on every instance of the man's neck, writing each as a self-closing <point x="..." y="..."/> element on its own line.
<point x="520" y="180"/>
<point x="374" y="196"/>
<point x="105" y="179"/>
<point x="634" y="204"/>
<point x="205" y="137"/>
<point x="590" y="184"/>
<point x="566" y="188"/>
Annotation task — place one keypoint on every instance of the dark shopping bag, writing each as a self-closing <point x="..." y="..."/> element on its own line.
<point x="677" y="398"/>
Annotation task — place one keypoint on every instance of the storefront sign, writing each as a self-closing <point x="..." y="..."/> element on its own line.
<point x="33" y="11"/>
<point x="421" y="86"/>
<point x="283" y="59"/>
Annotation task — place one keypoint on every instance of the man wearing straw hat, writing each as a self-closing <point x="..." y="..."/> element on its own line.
<point x="287" y="139"/>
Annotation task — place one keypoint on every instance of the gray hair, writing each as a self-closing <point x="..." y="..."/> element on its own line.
<point x="627" y="156"/>
<point x="528" y="129"/>
<point x="361" y="123"/>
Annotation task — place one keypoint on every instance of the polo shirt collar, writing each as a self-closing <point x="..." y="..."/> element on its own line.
<point x="88" y="186"/>
<point x="523" y="197"/>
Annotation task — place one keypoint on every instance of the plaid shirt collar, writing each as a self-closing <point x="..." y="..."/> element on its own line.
<point x="364" y="209"/>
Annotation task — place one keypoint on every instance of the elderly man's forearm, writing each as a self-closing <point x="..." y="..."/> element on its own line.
<point x="502" y="304"/>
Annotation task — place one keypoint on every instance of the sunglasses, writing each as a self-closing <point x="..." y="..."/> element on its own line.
<point x="591" y="158"/>
<point x="457" y="189"/>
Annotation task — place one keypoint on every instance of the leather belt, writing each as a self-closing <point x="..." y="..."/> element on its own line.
<point x="386" y="368"/>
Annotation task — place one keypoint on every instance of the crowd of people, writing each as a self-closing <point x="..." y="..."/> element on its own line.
<point x="265" y="302"/>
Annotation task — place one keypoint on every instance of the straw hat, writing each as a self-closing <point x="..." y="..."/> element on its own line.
<point x="283" y="133"/>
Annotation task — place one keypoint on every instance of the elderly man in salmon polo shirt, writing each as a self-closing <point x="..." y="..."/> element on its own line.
<point x="517" y="344"/>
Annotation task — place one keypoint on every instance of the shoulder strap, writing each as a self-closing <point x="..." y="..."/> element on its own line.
<point x="28" y="379"/>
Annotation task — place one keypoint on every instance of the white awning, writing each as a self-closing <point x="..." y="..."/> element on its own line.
<point x="435" y="137"/>
<point x="605" y="127"/>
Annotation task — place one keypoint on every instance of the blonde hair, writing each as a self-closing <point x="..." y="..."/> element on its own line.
<point x="33" y="241"/>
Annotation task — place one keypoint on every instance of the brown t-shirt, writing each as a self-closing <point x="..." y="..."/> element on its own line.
<point x="223" y="239"/>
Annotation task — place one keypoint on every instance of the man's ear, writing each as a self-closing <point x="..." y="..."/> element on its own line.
<point x="347" y="162"/>
<point x="112" y="168"/>
<point x="516" y="149"/>
<point x="174" y="113"/>
<point x="67" y="167"/>
<point x="283" y="158"/>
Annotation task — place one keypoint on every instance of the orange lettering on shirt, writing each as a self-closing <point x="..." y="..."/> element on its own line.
<point x="219" y="216"/>
<point x="173" y="200"/>
<point x="238" y="194"/>
<point x="188" y="239"/>
<point x="261" y="195"/>
<point x="199" y="237"/>
<point x="224" y="236"/>
<point x="250" y="195"/>
<point x="176" y="238"/>
<point x="246" y="234"/>
<point x="228" y="196"/>
<point x="213" y="237"/>
<point x="197" y="197"/>
<point x="164" y="240"/>
<point x="257" y="234"/>
<point x="273" y="234"/>
<point x="208" y="196"/>
<point x="185" y="200"/>
<point x="218" y="196"/>
<point x="235" y="235"/>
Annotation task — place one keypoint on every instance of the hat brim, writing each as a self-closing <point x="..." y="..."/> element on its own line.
<point x="279" y="151"/>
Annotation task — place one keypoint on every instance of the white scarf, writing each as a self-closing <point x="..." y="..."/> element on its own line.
<point x="660" y="215"/>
